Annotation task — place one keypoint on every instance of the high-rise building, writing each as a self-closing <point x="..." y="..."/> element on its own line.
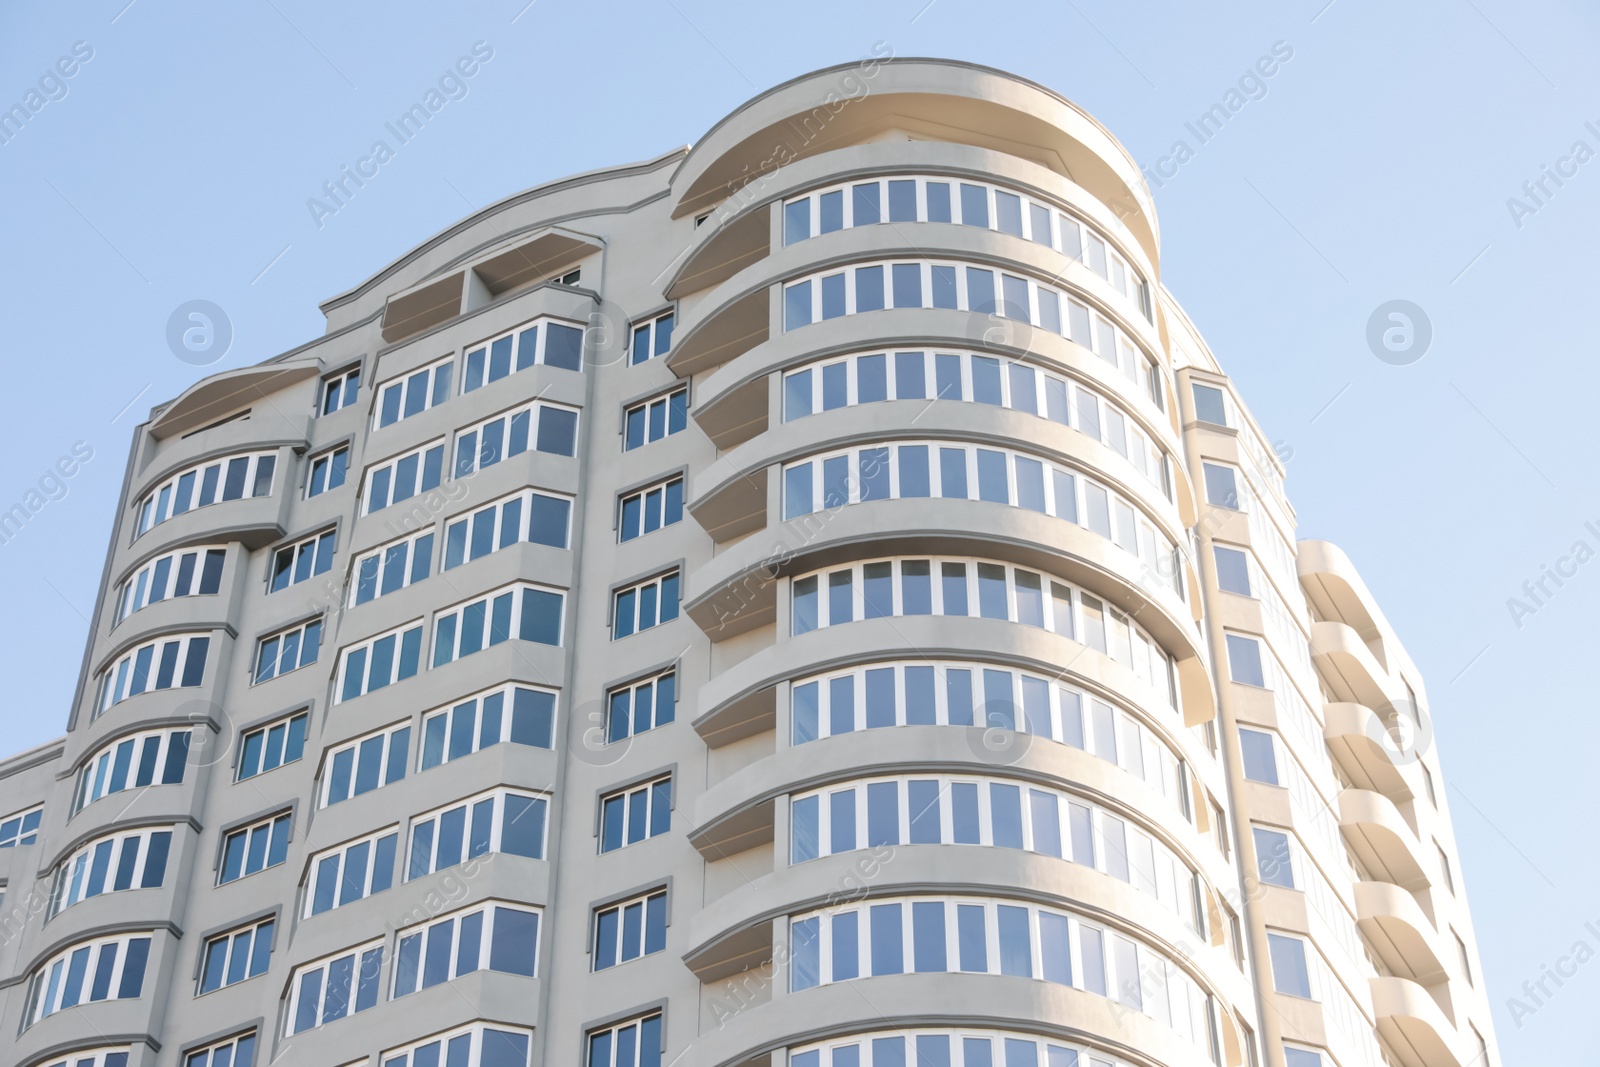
<point x="811" y="599"/>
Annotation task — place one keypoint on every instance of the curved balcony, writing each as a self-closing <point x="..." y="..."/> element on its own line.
<point x="1338" y="591"/>
<point x="1412" y="1024"/>
<point x="1348" y="666"/>
<point x="945" y="1001"/>
<point x="152" y="710"/>
<point x="742" y="700"/>
<point x="105" y="1022"/>
<point x="943" y="100"/>
<point x="254" y="522"/>
<point x="1362" y="744"/>
<point x="741" y="312"/>
<point x="220" y="395"/>
<point x="739" y="812"/>
<point x="725" y="499"/>
<point x="741" y="233"/>
<point x="1382" y="839"/>
<point x="1398" y="929"/>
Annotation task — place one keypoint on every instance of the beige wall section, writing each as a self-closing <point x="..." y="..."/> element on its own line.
<point x="699" y="232"/>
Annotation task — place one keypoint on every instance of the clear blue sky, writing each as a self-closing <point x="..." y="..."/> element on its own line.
<point x="1377" y="166"/>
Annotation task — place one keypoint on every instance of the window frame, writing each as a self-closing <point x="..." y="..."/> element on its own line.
<point x="228" y="942"/>
<point x="323" y="467"/>
<point x="649" y="914"/>
<point x="440" y="377"/>
<point x="275" y="832"/>
<point x="341" y="390"/>
<point x="360" y="956"/>
<point x="651" y="330"/>
<point x="360" y="651"/>
<point x="161" y="502"/>
<point x="667" y="603"/>
<point x="429" y="475"/>
<point x="419" y="550"/>
<point x="311" y="548"/>
<point x="372" y="873"/>
<point x="647" y="793"/>
<point x="308" y="640"/>
<point x="137" y="591"/>
<point x="674" y="406"/>
<point x="388" y="737"/>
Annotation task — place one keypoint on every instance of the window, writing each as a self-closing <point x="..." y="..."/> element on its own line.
<point x="1444" y="868"/>
<point x="367" y="763"/>
<point x="105" y="1057"/>
<point x="416" y="392"/>
<point x="640" y="607"/>
<point x="1244" y="661"/>
<point x="334" y="988"/>
<point x="269" y="747"/>
<point x="526" y="612"/>
<point x="478" y="1045"/>
<point x="1427" y="781"/>
<point x="538" y="426"/>
<point x="21" y="828"/>
<point x="379" y="661"/>
<point x="635" y="1043"/>
<point x="1221" y="487"/>
<point x="1233" y="570"/>
<point x="235" y="478"/>
<point x="640" y="706"/>
<point x="1290" y="971"/>
<point x="937" y="199"/>
<point x="350" y="872"/>
<point x="650" y="509"/>
<point x="491" y="937"/>
<point x="1274" y="863"/>
<point x="886" y="936"/>
<point x="108" y="968"/>
<point x="233" y="957"/>
<point x="973" y="378"/>
<point x="300" y="562"/>
<point x="1260" y="759"/>
<point x="254" y="848"/>
<point x="517" y="714"/>
<point x="654" y="419"/>
<point x="327" y="471"/>
<point x="234" y="1052"/>
<point x="993" y="813"/>
<point x="630" y="929"/>
<point x="192" y="572"/>
<point x="1304" y="1057"/>
<point x="155" y="757"/>
<point x="532" y="516"/>
<point x="927" y="693"/>
<point x="1209" y="405"/>
<point x="111" y="864"/>
<point x="1462" y="957"/>
<point x="651" y="338"/>
<point x="1000" y="476"/>
<point x="403" y="477"/>
<point x="966" y="1047"/>
<point x="501" y="820"/>
<point x="168" y="663"/>
<point x="1483" y="1046"/>
<point x="1219" y="827"/>
<point x="554" y="344"/>
<point x="630" y="815"/>
<point x="340" y="391"/>
<point x="288" y="651"/>
<point x="392" y="566"/>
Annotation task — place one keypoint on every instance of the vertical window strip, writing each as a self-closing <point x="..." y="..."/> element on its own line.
<point x="494" y="936"/>
<point x="498" y="821"/>
<point x="334" y="988"/>
<point x="108" y="968"/>
<point x="402" y="477"/>
<point x="327" y="471"/>
<point x="543" y="341"/>
<point x="538" y="426"/>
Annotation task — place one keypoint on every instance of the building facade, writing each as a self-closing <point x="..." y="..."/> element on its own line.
<point x="809" y="599"/>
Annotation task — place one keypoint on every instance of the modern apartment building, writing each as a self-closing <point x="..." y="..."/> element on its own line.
<point x="811" y="599"/>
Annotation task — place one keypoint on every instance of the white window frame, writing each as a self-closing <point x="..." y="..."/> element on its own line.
<point x="387" y="737"/>
<point x="320" y="470"/>
<point x="15" y="829"/>
<point x="450" y="647"/>
<point x="73" y="875"/>
<point x="45" y="997"/>
<point x="651" y="329"/>
<point x="99" y="772"/>
<point x="229" y="943"/>
<point x="306" y="630"/>
<point x="665" y="402"/>
<point x="541" y="803"/>
<point x="455" y="712"/>
<point x="399" y="635"/>
<point x="668" y="581"/>
<point x="418" y="549"/>
<point x="137" y="590"/>
<point x="370" y="880"/>
<point x="515" y="363"/>
<point x="632" y="689"/>
<point x="643" y="794"/>
<point x="266" y="830"/>
<point x="499" y="539"/>
<point x="391" y="465"/>
<point x="116" y="681"/>
<point x="340" y="390"/>
<point x="423" y="936"/>
<point x="469" y="448"/>
<point x="161" y="503"/>
<point x="662" y="490"/>
<point x="367" y="954"/>
<point x="434" y="375"/>
<point x="477" y="1034"/>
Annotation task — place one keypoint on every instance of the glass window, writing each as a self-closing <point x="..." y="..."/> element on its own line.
<point x="1244" y="660"/>
<point x="109" y="864"/>
<point x="301" y="562"/>
<point x="634" y="1043"/>
<point x="412" y="393"/>
<point x="157" y="757"/>
<point x="254" y="848"/>
<point x="1290" y="972"/>
<point x="107" y="968"/>
<point x="340" y="391"/>
<point x="654" y="419"/>
<point x="477" y="1045"/>
<point x="403" y="477"/>
<point x="237" y="1051"/>
<point x="543" y="341"/>
<point x="531" y="516"/>
<point x="499" y="821"/>
<point x="233" y="478"/>
<point x="651" y="338"/>
<point x="168" y="663"/>
<point x="640" y="706"/>
<point x="233" y="957"/>
<point x="334" y="988"/>
<point x="350" y="872"/>
<point x="367" y="763"/>
<point x="271" y="746"/>
<point x="490" y="937"/>
<point x="628" y="930"/>
<point x="517" y="714"/>
<point x="1260" y="762"/>
<point x="650" y="509"/>
<point x="522" y="611"/>
<point x="288" y="651"/>
<point x="1273" y="862"/>
<point x="1221" y="488"/>
<point x="379" y="661"/>
<point x="1209" y="405"/>
<point x="190" y="572"/>
<point x="631" y="815"/>
<point x="640" y="607"/>
<point x="1233" y="570"/>
<point x="327" y="471"/>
